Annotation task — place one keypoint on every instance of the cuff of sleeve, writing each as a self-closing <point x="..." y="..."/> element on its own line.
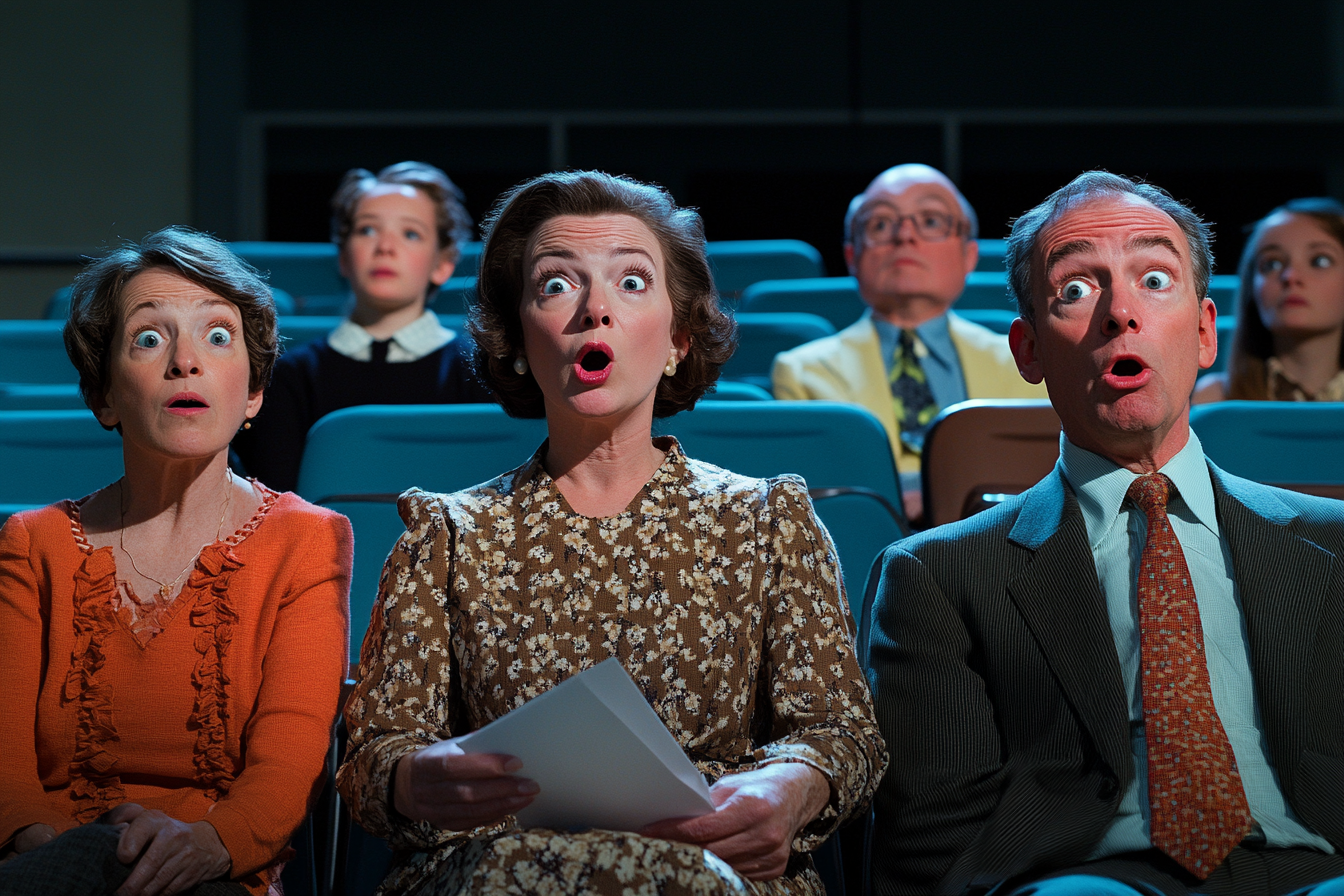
<point x="39" y="815"/>
<point x="368" y="790"/>
<point x="815" y="832"/>
<point x="246" y="853"/>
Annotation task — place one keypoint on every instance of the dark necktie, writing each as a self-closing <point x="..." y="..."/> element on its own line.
<point x="1199" y="809"/>
<point x="378" y="350"/>
<point x="911" y="397"/>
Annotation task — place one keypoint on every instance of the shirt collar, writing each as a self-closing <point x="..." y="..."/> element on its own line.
<point x="420" y="337"/>
<point x="1101" y="485"/>
<point x="931" y="338"/>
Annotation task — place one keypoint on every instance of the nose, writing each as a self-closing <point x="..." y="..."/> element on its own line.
<point x="1121" y="313"/>
<point x="183" y="361"/>
<point x="385" y="242"/>
<point x="596" y="309"/>
<point x="904" y="231"/>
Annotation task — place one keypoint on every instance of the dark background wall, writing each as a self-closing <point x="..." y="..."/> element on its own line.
<point x="767" y="117"/>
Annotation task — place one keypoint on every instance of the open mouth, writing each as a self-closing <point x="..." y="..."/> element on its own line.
<point x="593" y="365"/>
<point x="187" y="402"/>
<point x="1127" y="367"/>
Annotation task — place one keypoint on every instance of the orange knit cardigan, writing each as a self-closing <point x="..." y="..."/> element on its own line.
<point x="224" y="715"/>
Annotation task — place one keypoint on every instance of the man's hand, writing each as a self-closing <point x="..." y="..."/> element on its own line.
<point x="757" y="814"/>
<point x="170" y="856"/>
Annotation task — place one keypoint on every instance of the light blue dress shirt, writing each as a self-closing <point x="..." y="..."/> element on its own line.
<point x="1116" y="531"/>
<point x="937" y="356"/>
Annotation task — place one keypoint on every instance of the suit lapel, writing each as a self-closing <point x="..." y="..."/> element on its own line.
<point x="1282" y="580"/>
<point x="1059" y="596"/>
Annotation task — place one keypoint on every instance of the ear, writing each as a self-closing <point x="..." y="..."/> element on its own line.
<point x="1208" y="333"/>
<point x="971" y="256"/>
<point x="850" y="257"/>
<point x="1022" y="340"/>
<point x="443" y="270"/>
<point x="104" y="412"/>
<point x="681" y="342"/>
<point x="253" y="403"/>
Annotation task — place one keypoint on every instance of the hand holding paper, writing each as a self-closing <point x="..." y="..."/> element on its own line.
<point x="601" y="755"/>
<point x="452" y="790"/>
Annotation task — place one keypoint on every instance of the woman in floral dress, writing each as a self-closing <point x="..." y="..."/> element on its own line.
<point x="719" y="594"/>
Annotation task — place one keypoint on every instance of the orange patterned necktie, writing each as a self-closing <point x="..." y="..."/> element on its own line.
<point x="1199" y="810"/>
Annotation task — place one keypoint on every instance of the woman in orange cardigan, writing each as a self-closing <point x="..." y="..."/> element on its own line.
<point x="173" y="643"/>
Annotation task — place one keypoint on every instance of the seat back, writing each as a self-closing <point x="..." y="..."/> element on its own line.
<point x="829" y="444"/>
<point x="46" y="456"/>
<point x="861" y="524"/>
<point x="991" y="255"/>
<point x="33" y="351"/>
<point x="977" y="452"/>
<point x="986" y="289"/>
<point x="762" y="336"/>
<point x="834" y="298"/>
<point x="1296" y="445"/>
<point x="1223" y="290"/>
<point x="737" y="264"/>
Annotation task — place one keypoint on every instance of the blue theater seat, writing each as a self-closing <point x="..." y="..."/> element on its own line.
<point x="761" y="336"/>
<point x="33" y="351"/>
<point x="834" y="298"/>
<point x="49" y="455"/>
<point x="1296" y="445"/>
<point x="739" y="263"/>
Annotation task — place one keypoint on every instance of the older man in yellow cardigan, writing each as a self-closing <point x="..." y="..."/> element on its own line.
<point x="910" y="244"/>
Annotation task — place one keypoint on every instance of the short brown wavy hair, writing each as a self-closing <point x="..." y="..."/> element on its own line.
<point x="494" y="320"/>
<point x="96" y="302"/>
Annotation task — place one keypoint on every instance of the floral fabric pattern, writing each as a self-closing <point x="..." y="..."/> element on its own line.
<point x="720" y="595"/>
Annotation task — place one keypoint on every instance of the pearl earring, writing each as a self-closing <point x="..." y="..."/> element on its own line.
<point x="520" y="365"/>
<point x="671" y="367"/>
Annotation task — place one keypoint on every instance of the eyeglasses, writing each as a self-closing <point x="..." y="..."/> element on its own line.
<point x="930" y="226"/>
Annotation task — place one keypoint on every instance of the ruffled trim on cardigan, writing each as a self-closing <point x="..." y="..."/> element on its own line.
<point x="206" y="591"/>
<point x="214" y="615"/>
<point x="92" y="788"/>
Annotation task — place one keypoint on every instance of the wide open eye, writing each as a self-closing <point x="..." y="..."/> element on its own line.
<point x="1322" y="261"/>
<point x="219" y="336"/>
<point x="148" y="339"/>
<point x="1076" y="289"/>
<point x="554" y="286"/>
<point x="1155" y="280"/>
<point x="632" y="283"/>
<point x="1269" y="265"/>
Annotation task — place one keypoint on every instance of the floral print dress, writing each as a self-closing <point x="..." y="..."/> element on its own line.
<point x="721" y="596"/>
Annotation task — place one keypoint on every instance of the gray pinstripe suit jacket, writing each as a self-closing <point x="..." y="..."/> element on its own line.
<point x="999" y="691"/>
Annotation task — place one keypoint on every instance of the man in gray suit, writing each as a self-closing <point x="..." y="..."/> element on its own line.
<point x="1130" y="678"/>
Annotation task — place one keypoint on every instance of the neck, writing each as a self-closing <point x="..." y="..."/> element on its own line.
<point x="600" y="467"/>
<point x="909" y="312"/>
<point x="1138" y="452"/>
<point x="382" y="324"/>
<point x="182" y="492"/>
<point x="1311" y="361"/>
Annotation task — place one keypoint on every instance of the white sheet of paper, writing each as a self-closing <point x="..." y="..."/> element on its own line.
<point x="600" y="754"/>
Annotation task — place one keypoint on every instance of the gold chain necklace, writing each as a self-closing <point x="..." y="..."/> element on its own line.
<point x="166" y="588"/>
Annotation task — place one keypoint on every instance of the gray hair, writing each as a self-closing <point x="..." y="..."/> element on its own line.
<point x="1082" y="189"/>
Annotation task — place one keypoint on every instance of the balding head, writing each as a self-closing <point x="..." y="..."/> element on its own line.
<point x="910" y="242"/>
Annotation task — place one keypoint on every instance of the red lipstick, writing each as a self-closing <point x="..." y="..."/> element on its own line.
<point x="593" y="363"/>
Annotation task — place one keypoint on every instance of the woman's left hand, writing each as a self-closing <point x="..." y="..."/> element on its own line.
<point x="757" y="814"/>
<point x="170" y="856"/>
